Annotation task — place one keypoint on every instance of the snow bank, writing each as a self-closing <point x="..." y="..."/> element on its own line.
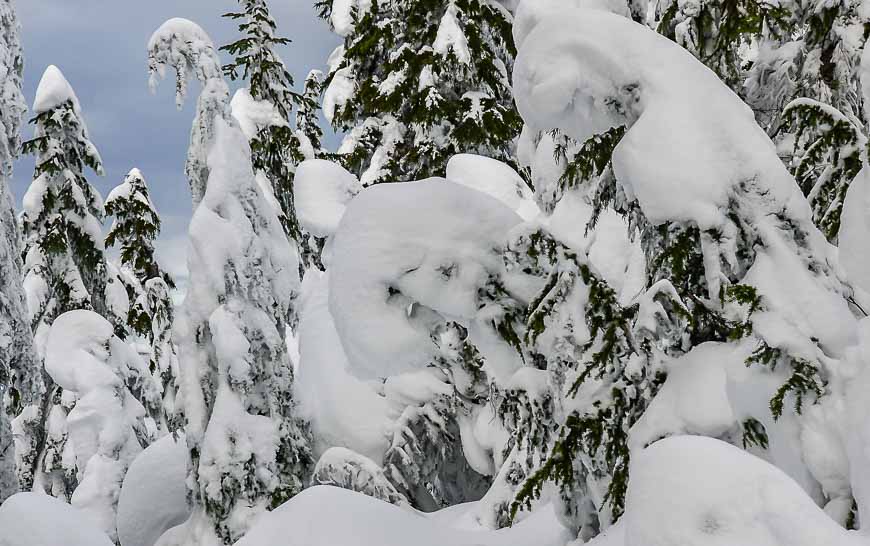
<point x="697" y="491"/>
<point x="405" y="257"/>
<point x="495" y="178"/>
<point x="36" y="519"/>
<point x="53" y="90"/>
<point x="370" y="522"/>
<point x="322" y="189"/>
<point x="154" y="495"/>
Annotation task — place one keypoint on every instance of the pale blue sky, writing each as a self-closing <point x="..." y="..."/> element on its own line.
<point x="100" y="47"/>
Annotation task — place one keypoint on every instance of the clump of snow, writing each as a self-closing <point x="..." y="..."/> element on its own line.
<point x="302" y="521"/>
<point x="694" y="398"/>
<point x="450" y="36"/>
<point x="698" y="491"/>
<point x="342" y="86"/>
<point x="153" y="497"/>
<point x="255" y="115"/>
<point x="406" y="256"/>
<point x="495" y="178"/>
<point x="322" y="189"/>
<point x="36" y="519"/>
<point x="53" y="90"/>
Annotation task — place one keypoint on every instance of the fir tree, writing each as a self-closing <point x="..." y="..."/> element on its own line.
<point x="700" y="287"/>
<point x="307" y="123"/>
<point x="20" y="379"/>
<point x="249" y="450"/>
<point x="134" y="230"/>
<point x="417" y="82"/>
<point x="64" y="264"/>
<point x="276" y="149"/>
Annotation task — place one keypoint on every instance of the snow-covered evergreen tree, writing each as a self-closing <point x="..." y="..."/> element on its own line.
<point x="417" y="82"/>
<point x="249" y="450"/>
<point x="64" y="264"/>
<point x="276" y="149"/>
<point x="308" y="128"/>
<point x="185" y="47"/>
<point x="20" y="379"/>
<point x="711" y="276"/>
<point x="108" y="426"/>
<point x="135" y="228"/>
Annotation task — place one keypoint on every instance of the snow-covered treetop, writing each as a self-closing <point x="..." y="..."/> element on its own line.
<point x="53" y="90"/>
<point x="188" y="49"/>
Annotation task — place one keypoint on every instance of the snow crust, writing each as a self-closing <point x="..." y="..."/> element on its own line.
<point x="302" y="521"/>
<point x="405" y="256"/>
<point x="153" y="497"/>
<point x="37" y="519"/>
<point x="53" y="90"/>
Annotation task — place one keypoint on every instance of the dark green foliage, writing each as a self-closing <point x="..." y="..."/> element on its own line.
<point x="715" y="32"/>
<point x="276" y="149"/>
<point x="805" y="379"/>
<point x="754" y="434"/>
<point x="417" y="107"/>
<point x="58" y="229"/>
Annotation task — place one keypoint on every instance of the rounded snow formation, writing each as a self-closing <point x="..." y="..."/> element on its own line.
<point x="343" y="410"/>
<point x="153" y="497"/>
<point x="53" y="90"/>
<point x="405" y="258"/>
<point x="494" y="178"/>
<point x="37" y="519"/>
<point x="365" y="521"/>
<point x="697" y="491"/>
<point x="321" y="190"/>
<point x="77" y="351"/>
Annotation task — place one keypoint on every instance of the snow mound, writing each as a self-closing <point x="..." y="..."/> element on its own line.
<point x="405" y="257"/>
<point x="322" y="189"/>
<point x="36" y="519"/>
<point x="531" y="12"/>
<point x="855" y="231"/>
<point x="154" y="495"/>
<point x="303" y="521"/>
<point x="53" y="91"/>
<point x="697" y="491"/>
<point x="493" y="177"/>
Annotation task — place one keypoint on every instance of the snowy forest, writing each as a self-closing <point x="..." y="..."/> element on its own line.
<point x="575" y="272"/>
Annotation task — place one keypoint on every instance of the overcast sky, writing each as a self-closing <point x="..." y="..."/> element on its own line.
<point x="100" y="47"/>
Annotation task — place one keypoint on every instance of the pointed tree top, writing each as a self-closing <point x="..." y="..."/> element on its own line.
<point x="53" y="90"/>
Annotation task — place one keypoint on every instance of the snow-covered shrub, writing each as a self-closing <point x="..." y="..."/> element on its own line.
<point x="107" y="425"/>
